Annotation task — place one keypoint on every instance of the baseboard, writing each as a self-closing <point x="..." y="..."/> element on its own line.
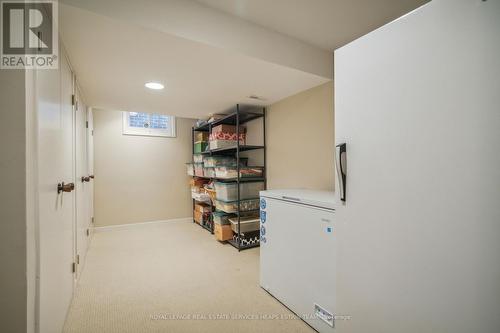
<point x="140" y="224"/>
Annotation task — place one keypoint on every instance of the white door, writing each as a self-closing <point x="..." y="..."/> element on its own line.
<point x="82" y="184"/>
<point x="56" y="211"/>
<point x="297" y="258"/>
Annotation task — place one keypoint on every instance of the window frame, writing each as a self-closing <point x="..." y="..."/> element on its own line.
<point x="169" y="132"/>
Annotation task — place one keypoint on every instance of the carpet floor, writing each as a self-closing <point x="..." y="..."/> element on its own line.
<point x="173" y="277"/>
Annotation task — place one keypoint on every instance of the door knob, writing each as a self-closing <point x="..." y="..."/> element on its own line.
<point x="61" y="187"/>
<point x="85" y="179"/>
<point x="91" y="176"/>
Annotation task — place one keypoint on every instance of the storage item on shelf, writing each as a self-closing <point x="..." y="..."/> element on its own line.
<point x="211" y="193"/>
<point x="232" y="206"/>
<point x="198" y="158"/>
<point x="200" y="217"/>
<point x="223" y="232"/>
<point x="200" y="136"/>
<point x="208" y="172"/>
<point x="220" y="144"/>
<point x="248" y="238"/>
<point x="222" y="217"/>
<point x="200" y="147"/>
<point x="190" y="169"/>
<point x="198" y="182"/>
<point x="226" y="172"/>
<point x="229" y="191"/>
<point x="248" y="172"/>
<point x="223" y="128"/>
<point x="227" y="136"/>
<point x="203" y="208"/>
<point x="215" y="161"/>
<point x="247" y="224"/>
<point x="200" y="197"/>
<point x="201" y="122"/>
<point x="198" y="169"/>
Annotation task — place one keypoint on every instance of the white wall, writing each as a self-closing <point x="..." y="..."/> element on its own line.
<point x="139" y="178"/>
<point x="418" y="102"/>
<point x="300" y="135"/>
<point x="13" y="246"/>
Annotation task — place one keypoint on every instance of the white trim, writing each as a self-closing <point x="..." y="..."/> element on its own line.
<point x="140" y="224"/>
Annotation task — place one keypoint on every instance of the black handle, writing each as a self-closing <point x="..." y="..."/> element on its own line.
<point x="61" y="187"/>
<point x="341" y="161"/>
<point x="85" y="179"/>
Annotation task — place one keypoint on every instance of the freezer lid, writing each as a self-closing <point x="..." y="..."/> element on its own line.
<point x="322" y="199"/>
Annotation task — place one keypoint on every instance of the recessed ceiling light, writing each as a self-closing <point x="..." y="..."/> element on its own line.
<point x="154" y="85"/>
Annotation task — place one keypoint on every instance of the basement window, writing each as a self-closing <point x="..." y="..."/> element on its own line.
<point x="148" y="124"/>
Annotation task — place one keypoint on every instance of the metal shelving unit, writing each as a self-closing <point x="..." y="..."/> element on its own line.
<point x="238" y="116"/>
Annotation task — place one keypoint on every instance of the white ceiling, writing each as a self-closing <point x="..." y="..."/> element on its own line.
<point x="327" y="24"/>
<point x="210" y="54"/>
<point x="112" y="60"/>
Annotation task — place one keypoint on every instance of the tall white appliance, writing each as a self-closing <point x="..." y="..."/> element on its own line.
<point x="417" y="103"/>
<point x="297" y="253"/>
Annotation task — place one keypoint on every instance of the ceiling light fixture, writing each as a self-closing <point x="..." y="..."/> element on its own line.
<point x="154" y="85"/>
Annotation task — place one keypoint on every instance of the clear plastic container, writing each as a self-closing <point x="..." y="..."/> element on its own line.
<point x="249" y="172"/>
<point x="198" y="169"/>
<point x="247" y="224"/>
<point x="229" y="191"/>
<point x="222" y="218"/>
<point x="232" y="206"/>
<point x="208" y="172"/>
<point x="198" y="158"/>
<point x="215" y="161"/>
<point x="227" y="172"/>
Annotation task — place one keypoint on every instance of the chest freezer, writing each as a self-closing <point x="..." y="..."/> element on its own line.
<point x="297" y="253"/>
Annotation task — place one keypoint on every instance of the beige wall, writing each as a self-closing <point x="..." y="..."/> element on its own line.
<point x="13" y="279"/>
<point x="300" y="140"/>
<point x="139" y="178"/>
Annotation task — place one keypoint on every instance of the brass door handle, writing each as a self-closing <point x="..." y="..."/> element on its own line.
<point x="85" y="179"/>
<point x="61" y="187"/>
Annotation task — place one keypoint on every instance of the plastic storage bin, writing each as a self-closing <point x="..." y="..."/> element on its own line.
<point x="247" y="224"/>
<point x="200" y="147"/>
<point x="198" y="169"/>
<point x="249" y="172"/>
<point x="215" y="161"/>
<point x="198" y="158"/>
<point x="226" y="172"/>
<point x="208" y="172"/>
<point x="222" y="218"/>
<point x="229" y="191"/>
<point x="232" y="206"/>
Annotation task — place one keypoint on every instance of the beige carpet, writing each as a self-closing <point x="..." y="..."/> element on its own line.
<point x="173" y="277"/>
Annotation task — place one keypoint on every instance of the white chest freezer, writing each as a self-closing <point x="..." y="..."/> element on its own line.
<point x="297" y="253"/>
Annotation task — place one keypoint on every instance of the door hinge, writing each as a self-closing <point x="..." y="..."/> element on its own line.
<point x="78" y="259"/>
<point x="87" y="124"/>
<point x="88" y="232"/>
<point x="92" y="220"/>
<point x="73" y="267"/>
<point x="73" y="99"/>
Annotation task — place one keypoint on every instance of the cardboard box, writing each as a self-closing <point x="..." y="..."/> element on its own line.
<point x="227" y="129"/>
<point x="200" y="136"/>
<point x="223" y="232"/>
<point x="198" y="216"/>
<point x="198" y="207"/>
